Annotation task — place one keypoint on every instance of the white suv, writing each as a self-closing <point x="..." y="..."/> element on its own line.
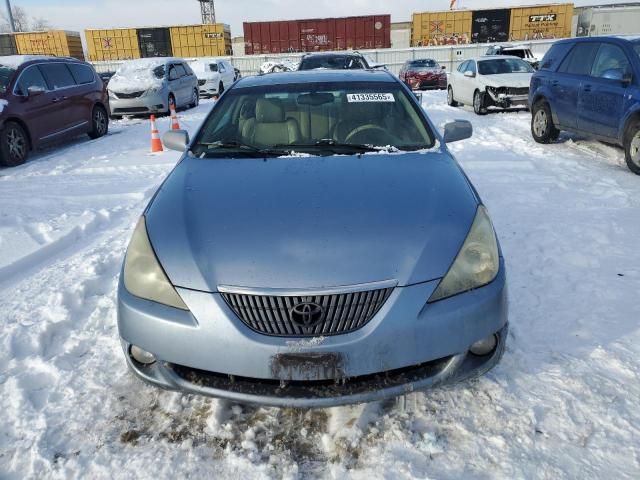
<point x="214" y="75"/>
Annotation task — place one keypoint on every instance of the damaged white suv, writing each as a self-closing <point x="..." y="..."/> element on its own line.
<point x="490" y="82"/>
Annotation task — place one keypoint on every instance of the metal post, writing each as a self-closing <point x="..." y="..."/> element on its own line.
<point x="12" y="22"/>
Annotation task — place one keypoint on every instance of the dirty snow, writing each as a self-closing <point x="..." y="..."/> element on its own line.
<point x="562" y="404"/>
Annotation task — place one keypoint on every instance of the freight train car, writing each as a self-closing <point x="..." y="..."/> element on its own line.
<point x="455" y="27"/>
<point x="179" y="40"/>
<point x="619" y="19"/>
<point x="8" y="44"/>
<point x="322" y="34"/>
<point x="58" y="43"/>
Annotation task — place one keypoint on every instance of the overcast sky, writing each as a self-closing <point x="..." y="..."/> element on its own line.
<point x="81" y="14"/>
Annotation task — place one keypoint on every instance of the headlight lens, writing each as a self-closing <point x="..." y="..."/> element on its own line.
<point x="143" y="275"/>
<point x="477" y="263"/>
<point x="152" y="91"/>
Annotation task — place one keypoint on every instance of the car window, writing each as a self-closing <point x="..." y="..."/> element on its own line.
<point x="82" y="73"/>
<point x="31" y="77"/>
<point x="213" y="67"/>
<point x="221" y="67"/>
<point x="636" y="47"/>
<point x="58" y="75"/>
<point x="504" y="65"/>
<point x="554" y="56"/>
<point x="463" y="67"/>
<point x="173" y="73"/>
<point x="181" y="71"/>
<point x="362" y="113"/>
<point x="610" y="57"/>
<point x="6" y="75"/>
<point x="333" y="62"/>
<point x="187" y="69"/>
<point x="471" y="67"/>
<point x="580" y="59"/>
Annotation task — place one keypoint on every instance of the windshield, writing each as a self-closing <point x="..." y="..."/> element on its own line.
<point x="503" y="65"/>
<point x="423" y="64"/>
<point x="316" y="119"/>
<point x="141" y="69"/>
<point x="516" y="53"/>
<point x="6" y="74"/>
<point x="333" y="62"/>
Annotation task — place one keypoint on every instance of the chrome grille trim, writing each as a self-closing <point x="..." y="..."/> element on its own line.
<point x="291" y="292"/>
<point x="341" y="312"/>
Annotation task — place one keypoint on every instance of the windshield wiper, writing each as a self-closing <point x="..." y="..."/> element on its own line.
<point x="335" y="147"/>
<point x="245" y="147"/>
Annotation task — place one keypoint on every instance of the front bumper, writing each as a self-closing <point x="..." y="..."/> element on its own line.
<point x="409" y="345"/>
<point x="506" y="100"/>
<point x="439" y="83"/>
<point x="210" y="88"/>
<point x="148" y="103"/>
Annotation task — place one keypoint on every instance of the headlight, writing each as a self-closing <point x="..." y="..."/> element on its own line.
<point x="112" y="95"/>
<point x="152" y="91"/>
<point x="143" y="275"/>
<point x="477" y="263"/>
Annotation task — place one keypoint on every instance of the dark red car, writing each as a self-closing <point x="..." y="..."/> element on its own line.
<point x="46" y="100"/>
<point x="423" y="74"/>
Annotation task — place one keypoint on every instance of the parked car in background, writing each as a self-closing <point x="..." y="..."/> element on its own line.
<point x="215" y="75"/>
<point x="45" y="100"/>
<point x="423" y="74"/>
<point x="519" y="51"/>
<point x="278" y="67"/>
<point x="336" y="61"/>
<point x="299" y="315"/>
<point x="106" y="76"/>
<point x="238" y="74"/>
<point x="498" y="81"/>
<point x="150" y="85"/>
<point x="590" y="86"/>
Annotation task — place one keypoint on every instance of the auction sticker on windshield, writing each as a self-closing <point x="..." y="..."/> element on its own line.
<point x="370" y="97"/>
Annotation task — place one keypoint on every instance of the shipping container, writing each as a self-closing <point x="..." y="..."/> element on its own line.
<point x="58" y="43"/>
<point x="8" y="44"/>
<point x="451" y="27"/>
<point x="112" y="44"/>
<point x="489" y="26"/>
<point x="541" y="22"/>
<point x="316" y="35"/>
<point x="608" y="20"/>
<point x="201" y="40"/>
<point x="155" y="42"/>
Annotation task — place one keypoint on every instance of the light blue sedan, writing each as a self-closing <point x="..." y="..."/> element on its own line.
<point x="317" y="245"/>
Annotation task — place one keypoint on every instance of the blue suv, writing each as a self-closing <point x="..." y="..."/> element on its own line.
<point x="592" y="86"/>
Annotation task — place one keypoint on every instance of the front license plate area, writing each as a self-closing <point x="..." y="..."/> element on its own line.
<point x="307" y="366"/>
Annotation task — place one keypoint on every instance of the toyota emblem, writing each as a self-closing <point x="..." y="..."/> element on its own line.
<point x="306" y="314"/>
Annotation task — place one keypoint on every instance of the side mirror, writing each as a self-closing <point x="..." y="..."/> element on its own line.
<point x="177" y="140"/>
<point x="457" y="130"/>
<point x="34" y="91"/>
<point x="469" y="74"/>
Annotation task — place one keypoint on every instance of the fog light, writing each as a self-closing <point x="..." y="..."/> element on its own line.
<point x="142" y="356"/>
<point x="484" y="346"/>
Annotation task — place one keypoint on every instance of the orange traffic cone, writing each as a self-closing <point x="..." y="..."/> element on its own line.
<point x="175" y="125"/>
<point x="156" y="143"/>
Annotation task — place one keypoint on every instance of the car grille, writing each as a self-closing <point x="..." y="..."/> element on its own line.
<point x="201" y="82"/>
<point x="338" y="314"/>
<point x="125" y="96"/>
<point x="518" y="91"/>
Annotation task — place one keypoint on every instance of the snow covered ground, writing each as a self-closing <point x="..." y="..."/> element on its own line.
<point x="562" y="404"/>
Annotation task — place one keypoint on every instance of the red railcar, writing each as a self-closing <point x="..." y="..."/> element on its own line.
<point x="318" y="35"/>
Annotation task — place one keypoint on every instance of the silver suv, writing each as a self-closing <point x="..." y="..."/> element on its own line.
<point x="150" y="85"/>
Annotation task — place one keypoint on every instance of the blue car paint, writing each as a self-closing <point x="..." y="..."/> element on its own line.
<point x="603" y="112"/>
<point x="314" y="222"/>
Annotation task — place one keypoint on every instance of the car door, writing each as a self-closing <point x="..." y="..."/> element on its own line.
<point x="231" y="74"/>
<point x="601" y="97"/>
<point x="468" y="84"/>
<point x="568" y="81"/>
<point x="223" y="72"/>
<point x="41" y="113"/>
<point x="175" y="84"/>
<point x="66" y="95"/>
<point x="456" y="80"/>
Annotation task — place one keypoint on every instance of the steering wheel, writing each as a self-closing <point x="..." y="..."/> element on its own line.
<point x="369" y="127"/>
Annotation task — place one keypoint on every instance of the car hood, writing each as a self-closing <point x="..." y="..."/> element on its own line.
<point x="516" y="80"/>
<point x="311" y="222"/>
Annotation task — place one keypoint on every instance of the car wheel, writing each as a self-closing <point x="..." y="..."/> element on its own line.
<point x="542" y="128"/>
<point x="450" y="99"/>
<point x="478" y="103"/>
<point x="99" y="122"/>
<point x="632" y="147"/>
<point x="195" y="99"/>
<point x="14" y="145"/>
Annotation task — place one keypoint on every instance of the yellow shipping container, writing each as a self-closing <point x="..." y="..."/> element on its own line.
<point x="541" y="21"/>
<point x="451" y="27"/>
<point x="58" y="43"/>
<point x="201" y="40"/>
<point x="112" y="44"/>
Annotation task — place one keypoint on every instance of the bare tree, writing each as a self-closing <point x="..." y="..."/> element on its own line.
<point x="22" y="21"/>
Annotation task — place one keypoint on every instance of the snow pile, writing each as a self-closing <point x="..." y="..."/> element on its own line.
<point x="562" y="404"/>
<point x="138" y="75"/>
<point x="14" y="61"/>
